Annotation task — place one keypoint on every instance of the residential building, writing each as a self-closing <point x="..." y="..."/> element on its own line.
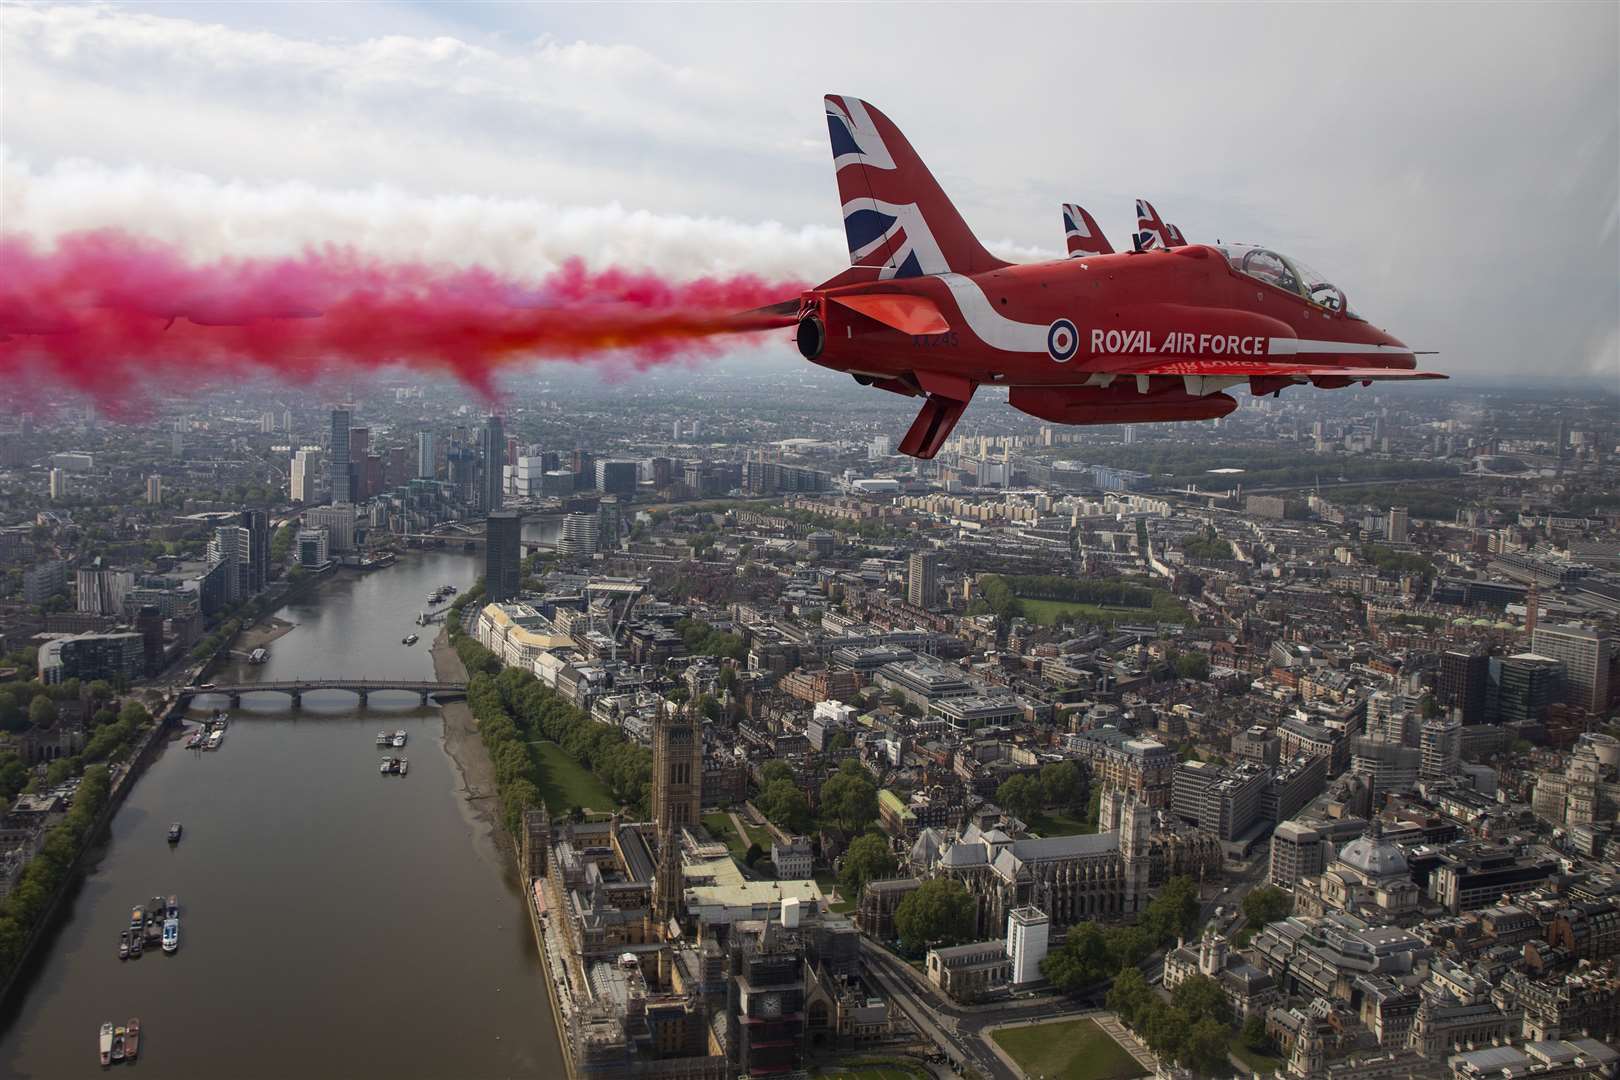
<point x="301" y="484"/>
<point x="339" y="478"/>
<point x="922" y="584"/>
<point x="492" y="464"/>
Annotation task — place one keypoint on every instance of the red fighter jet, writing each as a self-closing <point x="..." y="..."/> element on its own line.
<point x="1098" y="338"/>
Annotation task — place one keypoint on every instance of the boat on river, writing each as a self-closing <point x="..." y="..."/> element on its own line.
<point x="123" y="945"/>
<point x="384" y="739"/>
<point x="410" y="639"/>
<point x="216" y="737"/>
<point x="174" y="832"/>
<point x="171" y="935"/>
<point x="118" y="1043"/>
<point x="172" y="908"/>
<point x="399" y="738"/>
<point x="403" y="766"/>
<point x="104" y="1043"/>
<point x="132" y="1038"/>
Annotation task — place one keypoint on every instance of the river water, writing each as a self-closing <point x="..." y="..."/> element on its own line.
<point x="334" y="922"/>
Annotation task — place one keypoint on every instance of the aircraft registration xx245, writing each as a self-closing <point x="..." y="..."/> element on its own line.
<point x="1155" y="334"/>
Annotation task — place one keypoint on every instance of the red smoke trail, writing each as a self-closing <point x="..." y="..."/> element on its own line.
<point x="115" y="316"/>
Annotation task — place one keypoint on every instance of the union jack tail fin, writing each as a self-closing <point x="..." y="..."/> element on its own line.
<point x="896" y="218"/>
<point x="1151" y="231"/>
<point x="1176" y="239"/>
<point x="1081" y="231"/>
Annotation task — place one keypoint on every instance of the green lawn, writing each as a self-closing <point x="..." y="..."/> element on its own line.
<point x="1263" y="1064"/>
<point x="719" y="826"/>
<point x="1070" y="1050"/>
<point x="565" y="783"/>
<point x="1047" y="612"/>
<point x="828" y="883"/>
<point x="1051" y="823"/>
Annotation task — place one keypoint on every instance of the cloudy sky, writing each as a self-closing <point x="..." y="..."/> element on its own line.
<point x="1455" y="168"/>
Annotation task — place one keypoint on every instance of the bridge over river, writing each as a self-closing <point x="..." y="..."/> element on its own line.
<point x="364" y="688"/>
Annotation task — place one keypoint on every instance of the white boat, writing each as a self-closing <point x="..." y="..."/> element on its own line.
<point x="386" y="767"/>
<point x="105" y="1043"/>
<point x="384" y="739"/>
<point x="215" y="738"/>
<point x="399" y="738"/>
<point x="403" y="765"/>
<point x="171" y="935"/>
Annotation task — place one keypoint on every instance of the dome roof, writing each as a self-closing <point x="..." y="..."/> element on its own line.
<point x="1374" y="856"/>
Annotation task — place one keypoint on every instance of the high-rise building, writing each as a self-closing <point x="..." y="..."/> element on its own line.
<point x="1461" y="683"/>
<point x="427" y="456"/>
<point x="149" y="624"/>
<point x="339" y="482"/>
<point x="154" y="489"/>
<point x="492" y="463"/>
<point x="879" y="448"/>
<point x="503" y="555"/>
<point x="306" y="466"/>
<point x="257" y="524"/>
<point x="339" y="523"/>
<point x="59" y="484"/>
<point x="1587" y="656"/>
<point x="1027" y="932"/>
<point x="1396" y="528"/>
<point x="1526" y="685"/>
<point x="616" y="478"/>
<point x="581" y="535"/>
<point x="310" y="547"/>
<point x="922" y="579"/>
<point x="1297" y="851"/>
<point x="102" y="592"/>
<point x="1441" y="744"/>
<point x="228" y="550"/>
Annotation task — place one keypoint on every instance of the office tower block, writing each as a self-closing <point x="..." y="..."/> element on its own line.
<point x="1461" y="683"/>
<point x="503" y="555"/>
<point x="1587" y="656"/>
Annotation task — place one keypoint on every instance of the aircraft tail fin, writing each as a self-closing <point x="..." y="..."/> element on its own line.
<point x="1082" y="234"/>
<point x="1151" y="231"/>
<point x="896" y="217"/>
<point x="1176" y="239"/>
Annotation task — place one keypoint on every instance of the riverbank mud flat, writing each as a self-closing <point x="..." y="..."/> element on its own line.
<point x="262" y="633"/>
<point x="462" y="743"/>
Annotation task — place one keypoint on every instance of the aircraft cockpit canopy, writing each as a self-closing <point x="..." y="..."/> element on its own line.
<point x="1290" y="275"/>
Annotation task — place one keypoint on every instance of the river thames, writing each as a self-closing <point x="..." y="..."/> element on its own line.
<point x="334" y="922"/>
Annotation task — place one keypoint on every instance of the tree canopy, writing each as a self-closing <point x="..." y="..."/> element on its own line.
<point x="939" y="913"/>
<point x="868" y="858"/>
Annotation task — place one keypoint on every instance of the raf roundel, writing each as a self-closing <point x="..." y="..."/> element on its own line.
<point x="1062" y="340"/>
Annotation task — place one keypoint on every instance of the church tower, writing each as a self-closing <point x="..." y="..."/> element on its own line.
<point x="1135" y="848"/>
<point x="677" y="799"/>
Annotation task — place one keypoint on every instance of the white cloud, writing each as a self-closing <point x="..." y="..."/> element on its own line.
<point x="1456" y="173"/>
